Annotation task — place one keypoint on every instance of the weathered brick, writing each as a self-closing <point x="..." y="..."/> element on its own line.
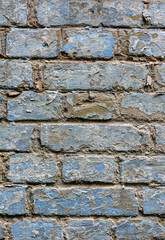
<point x="90" y="106"/>
<point x="89" y="229"/>
<point x="13" y="12"/>
<point x="15" y="74"/>
<point x="32" y="168"/>
<point x="2" y="106"/>
<point x="84" y="202"/>
<point x="40" y="229"/>
<point x="71" y="137"/>
<point x="1" y="232"/>
<point x="142" y="105"/>
<point x="53" y="12"/>
<point x="1" y="48"/>
<point x="89" y="168"/>
<point x="156" y="13"/>
<point x="138" y="229"/>
<point x="12" y="201"/>
<point x="143" y="169"/>
<point x="1" y="164"/>
<point x="147" y="42"/>
<point x="88" y="43"/>
<point x="15" y="137"/>
<point x="34" y="106"/>
<point x="108" y="13"/>
<point x="38" y="43"/>
<point x="160" y="137"/>
<point x="160" y="73"/>
<point x="94" y="76"/>
<point x="154" y="201"/>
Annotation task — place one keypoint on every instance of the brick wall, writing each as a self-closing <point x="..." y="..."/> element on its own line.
<point x="82" y="119"/>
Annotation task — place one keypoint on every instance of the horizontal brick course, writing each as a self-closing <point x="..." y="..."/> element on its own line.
<point x="74" y="228"/>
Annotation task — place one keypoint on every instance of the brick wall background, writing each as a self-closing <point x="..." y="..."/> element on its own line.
<point x="82" y="119"/>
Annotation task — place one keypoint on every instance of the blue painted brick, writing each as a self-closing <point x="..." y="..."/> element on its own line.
<point x="88" y="43"/>
<point x="39" y="43"/>
<point x="160" y="138"/>
<point x="89" y="229"/>
<point x="95" y="137"/>
<point x="92" y="169"/>
<point x="154" y="201"/>
<point x="32" y="168"/>
<point x="143" y="169"/>
<point x="13" y="12"/>
<point x="1" y="48"/>
<point x="34" y="106"/>
<point x="90" y="12"/>
<point x="36" y="229"/>
<point x="147" y="105"/>
<point x="12" y="201"/>
<point x="156" y="13"/>
<point x="85" y="202"/>
<point x="94" y="76"/>
<point x="139" y="229"/>
<point x="2" y="106"/>
<point x="16" y="74"/>
<point x="15" y="137"/>
<point x="160" y="73"/>
<point x="1" y="170"/>
<point x="147" y="42"/>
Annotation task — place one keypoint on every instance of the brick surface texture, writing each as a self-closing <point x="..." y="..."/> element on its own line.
<point x="82" y="119"/>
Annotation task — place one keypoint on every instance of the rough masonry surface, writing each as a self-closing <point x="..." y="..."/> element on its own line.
<point x="82" y="119"/>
